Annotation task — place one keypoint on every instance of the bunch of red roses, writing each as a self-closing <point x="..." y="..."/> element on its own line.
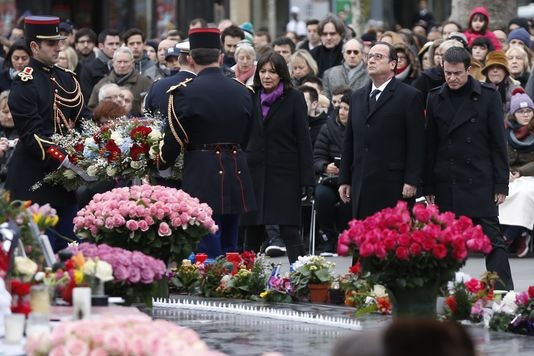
<point x="410" y="248"/>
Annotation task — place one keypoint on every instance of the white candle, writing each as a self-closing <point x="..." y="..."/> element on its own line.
<point x="14" y="325"/>
<point x="81" y="303"/>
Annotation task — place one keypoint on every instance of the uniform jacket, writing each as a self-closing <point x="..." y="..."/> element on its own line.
<point x="384" y="148"/>
<point x="157" y="97"/>
<point x="32" y="103"/>
<point x="338" y="75"/>
<point x="279" y="155"/>
<point x="466" y="161"/>
<point x="204" y="115"/>
<point x="137" y="83"/>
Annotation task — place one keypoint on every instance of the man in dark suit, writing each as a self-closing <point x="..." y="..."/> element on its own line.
<point x="157" y="97"/>
<point x="44" y="100"/>
<point x="466" y="168"/>
<point x="209" y="118"/>
<point x="383" y="152"/>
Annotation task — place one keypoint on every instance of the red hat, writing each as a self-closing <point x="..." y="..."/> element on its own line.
<point x="42" y="28"/>
<point x="204" y="38"/>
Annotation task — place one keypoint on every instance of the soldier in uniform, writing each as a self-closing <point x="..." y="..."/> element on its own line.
<point x="157" y="97"/>
<point x="209" y="118"/>
<point x="44" y="99"/>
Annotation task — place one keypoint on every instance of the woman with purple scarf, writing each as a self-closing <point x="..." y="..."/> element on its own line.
<point x="279" y="155"/>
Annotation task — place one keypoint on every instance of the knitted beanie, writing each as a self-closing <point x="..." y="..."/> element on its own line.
<point x="520" y="34"/>
<point x="520" y="100"/>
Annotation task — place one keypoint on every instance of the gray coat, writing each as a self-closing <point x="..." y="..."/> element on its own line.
<point x="338" y="75"/>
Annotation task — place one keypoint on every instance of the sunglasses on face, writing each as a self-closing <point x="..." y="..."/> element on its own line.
<point x="352" y="51"/>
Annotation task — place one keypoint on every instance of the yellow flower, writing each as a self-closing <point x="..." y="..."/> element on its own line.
<point x="78" y="276"/>
<point x="313" y="268"/>
<point x="264" y="294"/>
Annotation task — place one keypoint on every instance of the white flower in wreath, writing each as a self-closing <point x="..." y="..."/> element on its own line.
<point x="508" y="304"/>
<point x="379" y="291"/>
<point x="155" y="135"/>
<point x="25" y="266"/>
<point x="115" y="136"/>
<point x="99" y="269"/>
<point x="110" y="171"/>
<point x="69" y="174"/>
<point x="153" y="152"/>
<point x="92" y="170"/>
<point x="136" y="164"/>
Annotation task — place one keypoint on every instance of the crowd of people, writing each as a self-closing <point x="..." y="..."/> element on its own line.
<point x="335" y="110"/>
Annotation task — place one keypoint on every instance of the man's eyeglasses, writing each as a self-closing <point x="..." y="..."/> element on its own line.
<point x="352" y="51"/>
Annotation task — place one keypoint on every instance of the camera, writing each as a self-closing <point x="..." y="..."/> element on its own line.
<point x="12" y="143"/>
<point x="337" y="161"/>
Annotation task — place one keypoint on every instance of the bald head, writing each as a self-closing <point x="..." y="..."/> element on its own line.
<point x="352" y="52"/>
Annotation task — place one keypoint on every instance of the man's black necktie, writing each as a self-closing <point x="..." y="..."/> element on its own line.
<point x="372" y="99"/>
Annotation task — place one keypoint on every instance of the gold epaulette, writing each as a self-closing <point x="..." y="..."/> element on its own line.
<point x="181" y="84"/>
<point x="64" y="69"/>
<point x="246" y="86"/>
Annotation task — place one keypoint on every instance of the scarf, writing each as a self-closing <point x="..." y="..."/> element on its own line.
<point x="244" y="76"/>
<point x="402" y="73"/>
<point x="268" y="99"/>
<point x="520" y="137"/>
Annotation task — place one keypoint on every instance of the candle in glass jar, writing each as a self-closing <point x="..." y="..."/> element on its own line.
<point x="40" y="299"/>
<point x="81" y="303"/>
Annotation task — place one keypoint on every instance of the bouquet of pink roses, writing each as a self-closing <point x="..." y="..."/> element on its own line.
<point x="409" y="249"/>
<point x="128" y="267"/>
<point x="159" y="221"/>
<point x="118" y="335"/>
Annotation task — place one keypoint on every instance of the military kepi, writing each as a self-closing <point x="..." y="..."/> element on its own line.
<point x="42" y="28"/>
<point x="204" y="38"/>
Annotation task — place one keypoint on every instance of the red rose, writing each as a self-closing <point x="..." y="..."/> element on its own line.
<point x="421" y="213"/>
<point x="113" y="151"/>
<point x="367" y="249"/>
<point x="439" y="251"/>
<point x="20" y="288"/>
<point x="137" y="150"/>
<point x="415" y="249"/>
<point x="474" y="285"/>
<point x="402" y="253"/>
<point x="531" y="292"/>
<point x="356" y="268"/>
<point x="140" y="133"/>
<point x="450" y="301"/>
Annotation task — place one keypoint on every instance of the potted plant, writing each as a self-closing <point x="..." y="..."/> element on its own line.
<point x="412" y="253"/>
<point x="312" y="276"/>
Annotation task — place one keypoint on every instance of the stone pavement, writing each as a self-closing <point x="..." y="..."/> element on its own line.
<point x="248" y="336"/>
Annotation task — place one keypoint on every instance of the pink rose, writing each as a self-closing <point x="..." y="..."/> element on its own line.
<point x="115" y="342"/>
<point x="342" y="249"/>
<point x="143" y="226"/>
<point x="134" y="274"/>
<point x="98" y="352"/>
<point x="366" y="249"/>
<point x="132" y="225"/>
<point x="75" y="346"/>
<point x="147" y="275"/>
<point x="164" y="229"/>
<point x="474" y="285"/>
<point x="415" y="249"/>
<point x="421" y="213"/>
<point x="59" y="350"/>
<point x="120" y="273"/>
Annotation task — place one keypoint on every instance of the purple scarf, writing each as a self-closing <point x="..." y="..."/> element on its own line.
<point x="267" y="99"/>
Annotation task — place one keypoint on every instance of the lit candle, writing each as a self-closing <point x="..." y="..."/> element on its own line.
<point x="81" y="302"/>
<point x="40" y="299"/>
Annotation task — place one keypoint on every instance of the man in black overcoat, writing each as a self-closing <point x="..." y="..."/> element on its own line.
<point x="209" y="118"/>
<point x="383" y="153"/>
<point x="44" y="100"/>
<point x="466" y="168"/>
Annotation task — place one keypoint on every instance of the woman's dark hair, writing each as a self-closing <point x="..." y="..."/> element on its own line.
<point x="346" y="98"/>
<point x="17" y="45"/>
<point x="480" y="17"/>
<point x="279" y="64"/>
<point x="482" y="41"/>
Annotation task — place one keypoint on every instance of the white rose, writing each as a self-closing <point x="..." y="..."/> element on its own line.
<point x="135" y="164"/>
<point x="115" y="136"/>
<point x="69" y="174"/>
<point x="92" y="170"/>
<point x="152" y="153"/>
<point x="39" y="276"/>
<point x="155" y="135"/>
<point x="89" y="141"/>
<point x="379" y="291"/>
<point x="110" y="171"/>
<point x="99" y="269"/>
<point x="25" y="266"/>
